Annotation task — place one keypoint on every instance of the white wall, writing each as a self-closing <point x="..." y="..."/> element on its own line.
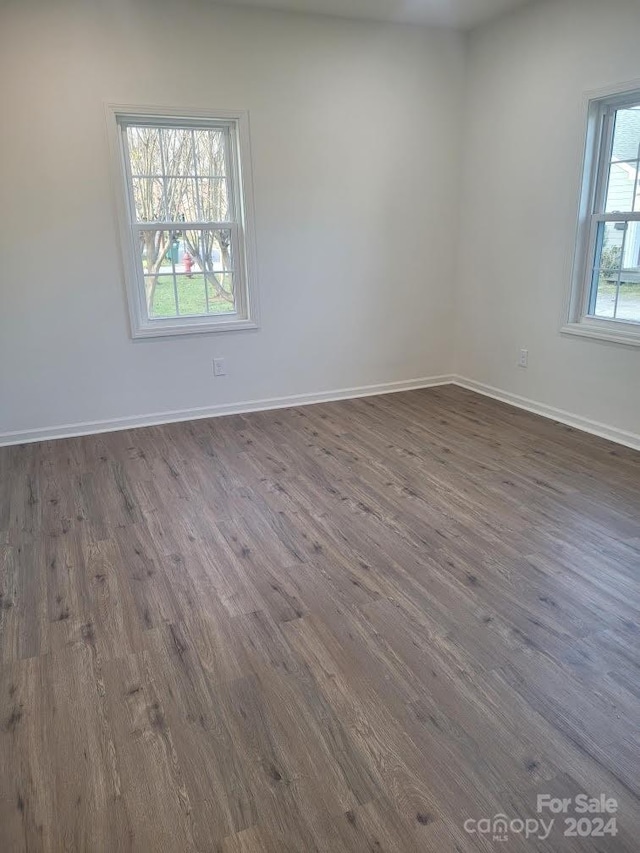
<point x="528" y="73"/>
<point x="357" y="132"/>
<point x="355" y="138"/>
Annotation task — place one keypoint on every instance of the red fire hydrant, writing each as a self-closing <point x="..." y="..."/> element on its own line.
<point x="188" y="263"/>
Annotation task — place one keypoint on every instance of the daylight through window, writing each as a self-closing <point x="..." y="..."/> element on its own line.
<point x="186" y="222"/>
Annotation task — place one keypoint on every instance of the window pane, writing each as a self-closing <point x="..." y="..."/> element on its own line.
<point x="616" y="276"/>
<point x="626" y="136"/>
<point x="210" y="153"/>
<point x="631" y="252"/>
<point x="181" y="195"/>
<point x="605" y="285"/>
<point x="158" y="249"/>
<point x="188" y="263"/>
<point x="192" y="294"/>
<point x="144" y="150"/>
<point x="177" y="151"/>
<point x="194" y="200"/>
<point x="628" y="307"/>
<point x="160" y="295"/>
<point x="198" y="294"/>
<point x="148" y="200"/>
<point x="622" y="192"/>
<point x="609" y="245"/>
<point x="606" y="268"/>
<point x="210" y="252"/>
<point x="629" y="301"/>
<point x="202" y="262"/>
<point x="221" y="293"/>
<point x="618" y="303"/>
<point x="214" y="201"/>
<point x="179" y="174"/>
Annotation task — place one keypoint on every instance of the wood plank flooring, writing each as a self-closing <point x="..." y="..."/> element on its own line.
<point x="344" y="627"/>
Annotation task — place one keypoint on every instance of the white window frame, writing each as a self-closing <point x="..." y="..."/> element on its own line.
<point x="245" y="288"/>
<point x="601" y="107"/>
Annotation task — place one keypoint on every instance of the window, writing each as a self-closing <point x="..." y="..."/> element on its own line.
<point x="184" y="220"/>
<point x="606" y="296"/>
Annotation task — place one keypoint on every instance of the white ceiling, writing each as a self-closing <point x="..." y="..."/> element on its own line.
<point x="444" y="13"/>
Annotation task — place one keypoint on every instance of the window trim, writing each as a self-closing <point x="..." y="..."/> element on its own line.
<point x="247" y="314"/>
<point x="599" y="107"/>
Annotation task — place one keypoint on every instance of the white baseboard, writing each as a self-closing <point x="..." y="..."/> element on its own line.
<point x="135" y="421"/>
<point x="611" y="433"/>
<point x="619" y="436"/>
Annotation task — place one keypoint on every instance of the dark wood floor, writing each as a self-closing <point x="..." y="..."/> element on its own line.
<point x="345" y="627"/>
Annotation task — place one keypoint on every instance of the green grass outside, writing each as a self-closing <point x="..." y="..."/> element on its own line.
<point x="191" y="297"/>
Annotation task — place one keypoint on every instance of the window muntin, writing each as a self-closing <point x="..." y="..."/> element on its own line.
<point x="612" y="285"/>
<point x="185" y="222"/>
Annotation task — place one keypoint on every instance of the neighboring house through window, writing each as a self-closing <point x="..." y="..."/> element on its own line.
<point x="606" y="287"/>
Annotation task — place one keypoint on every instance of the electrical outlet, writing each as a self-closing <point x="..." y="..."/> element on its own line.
<point x="219" y="367"/>
<point x="523" y="361"/>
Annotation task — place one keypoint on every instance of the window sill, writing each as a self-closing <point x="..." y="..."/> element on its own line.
<point x="624" y="335"/>
<point x="160" y="329"/>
